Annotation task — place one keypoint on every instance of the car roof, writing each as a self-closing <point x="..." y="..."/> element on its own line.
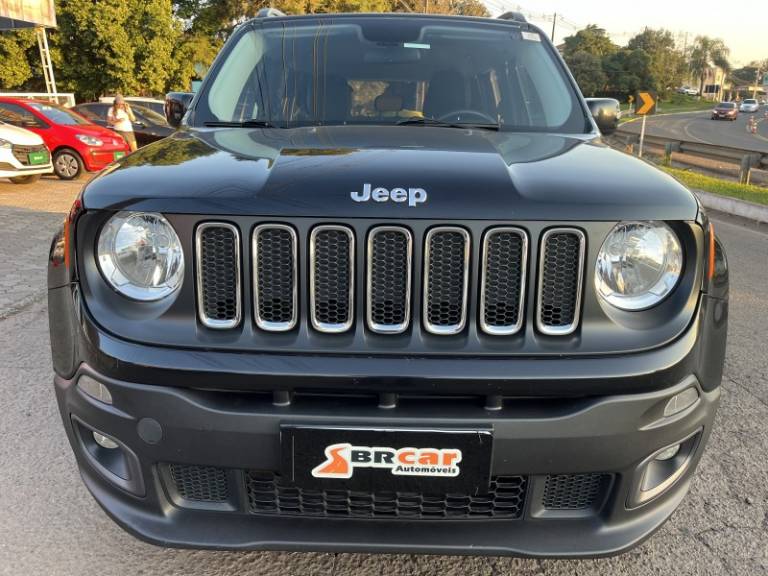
<point x="384" y="15"/>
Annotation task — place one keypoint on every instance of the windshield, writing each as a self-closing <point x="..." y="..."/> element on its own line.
<point x="750" y="101"/>
<point x="726" y="105"/>
<point x="58" y="115"/>
<point x="387" y="70"/>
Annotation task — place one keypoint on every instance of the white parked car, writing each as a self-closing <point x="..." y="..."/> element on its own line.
<point x="688" y="91"/>
<point x="749" y="105"/>
<point x="23" y="155"/>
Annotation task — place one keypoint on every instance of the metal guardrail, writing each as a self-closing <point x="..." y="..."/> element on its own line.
<point x="746" y="159"/>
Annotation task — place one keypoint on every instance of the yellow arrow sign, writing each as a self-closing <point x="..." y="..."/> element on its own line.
<point x="646" y="103"/>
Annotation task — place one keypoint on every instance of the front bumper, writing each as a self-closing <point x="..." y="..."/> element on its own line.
<point x="10" y="167"/>
<point x="611" y="435"/>
<point x="96" y="159"/>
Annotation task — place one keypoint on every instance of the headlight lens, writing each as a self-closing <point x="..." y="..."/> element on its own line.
<point x="5" y="144"/>
<point x="89" y="140"/>
<point x="140" y="256"/>
<point x="638" y="265"/>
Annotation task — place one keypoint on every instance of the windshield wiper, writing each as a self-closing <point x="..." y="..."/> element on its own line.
<point x="253" y="123"/>
<point x="418" y="121"/>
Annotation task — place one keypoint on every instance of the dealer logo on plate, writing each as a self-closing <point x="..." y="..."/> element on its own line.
<point x="342" y="459"/>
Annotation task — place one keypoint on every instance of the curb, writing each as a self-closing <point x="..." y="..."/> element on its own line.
<point x="733" y="206"/>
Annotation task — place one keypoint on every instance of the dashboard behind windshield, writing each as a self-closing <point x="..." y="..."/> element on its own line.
<point x="386" y="70"/>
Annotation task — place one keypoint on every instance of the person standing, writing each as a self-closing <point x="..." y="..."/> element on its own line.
<point x="120" y="118"/>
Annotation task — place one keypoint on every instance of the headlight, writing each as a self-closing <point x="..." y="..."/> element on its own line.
<point x="89" y="140"/>
<point x="638" y="265"/>
<point x="5" y="144"/>
<point x="140" y="255"/>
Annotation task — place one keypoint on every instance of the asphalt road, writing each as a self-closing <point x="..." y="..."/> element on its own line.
<point x="49" y="524"/>
<point x="699" y="127"/>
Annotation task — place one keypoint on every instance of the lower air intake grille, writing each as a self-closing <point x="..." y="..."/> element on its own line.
<point x="573" y="491"/>
<point x="269" y="494"/>
<point x="331" y="267"/>
<point x="560" y="278"/>
<point x="218" y="275"/>
<point x="274" y="248"/>
<point x="446" y="274"/>
<point x="389" y="279"/>
<point x="200" y="483"/>
<point x="21" y="153"/>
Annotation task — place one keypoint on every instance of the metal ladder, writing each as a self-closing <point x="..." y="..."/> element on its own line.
<point x="45" y="57"/>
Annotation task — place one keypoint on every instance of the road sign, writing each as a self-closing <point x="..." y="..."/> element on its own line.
<point x="645" y="102"/>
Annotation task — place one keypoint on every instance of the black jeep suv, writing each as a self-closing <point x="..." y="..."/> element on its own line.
<point x="385" y="290"/>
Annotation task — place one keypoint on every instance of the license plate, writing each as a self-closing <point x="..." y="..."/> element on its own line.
<point x="119" y="155"/>
<point x="373" y="460"/>
<point x="35" y="158"/>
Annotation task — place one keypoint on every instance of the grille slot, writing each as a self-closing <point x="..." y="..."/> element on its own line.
<point x="389" y="279"/>
<point x="275" y="295"/>
<point x="573" y="491"/>
<point x="502" y="291"/>
<point x="561" y="270"/>
<point x="270" y="494"/>
<point x="332" y="265"/>
<point x="219" y="298"/>
<point x="200" y="483"/>
<point x="446" y="274"/>
<point x="21" y="153"/>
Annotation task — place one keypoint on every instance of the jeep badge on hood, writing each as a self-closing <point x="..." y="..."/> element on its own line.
<point x="414" y="196"/>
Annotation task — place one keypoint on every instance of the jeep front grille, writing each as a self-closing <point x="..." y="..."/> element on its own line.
<point x="275" y="295"/>
<point x="505" y="258"/>
<point x="388" y="280"/>
<point x="319" y="268"/>
<point x="561" y="270"/>
<point x="446" y="275"/>
<point x="331" y="278"/>
<point x="219" y="297"/>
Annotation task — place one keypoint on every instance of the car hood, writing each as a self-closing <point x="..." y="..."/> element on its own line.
<point x="19" y="136"/>
<point x="466" y="174"/>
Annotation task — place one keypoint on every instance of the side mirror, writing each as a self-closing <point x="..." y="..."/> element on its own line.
<point x="606" y="112"/>
<point x="176" y="104"/>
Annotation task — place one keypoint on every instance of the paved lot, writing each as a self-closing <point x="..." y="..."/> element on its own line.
<point x="699" y="127"/>
<point x="49" y="525"/>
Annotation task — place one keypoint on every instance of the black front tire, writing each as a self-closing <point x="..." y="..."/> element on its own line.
<point x="29" y="179"/>
<point x="67" y="164"/>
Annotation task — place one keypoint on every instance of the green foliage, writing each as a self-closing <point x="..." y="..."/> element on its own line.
<point x="748" y="192"/>
<point x="14" y="66"/>
<point x="628" y="70"/>
<point x="588" y="72"/>
<point x="592" y="40"/>
<point x="666" y="66"/>
<point x="98" y="55"/>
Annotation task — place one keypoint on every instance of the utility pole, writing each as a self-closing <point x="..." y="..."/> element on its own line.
<point x="554" y="21"/>
<point x="426" y="6"/>
<point x="757" y="81"/>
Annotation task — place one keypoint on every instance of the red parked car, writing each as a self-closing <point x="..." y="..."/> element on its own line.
<point x="75" y="142"/>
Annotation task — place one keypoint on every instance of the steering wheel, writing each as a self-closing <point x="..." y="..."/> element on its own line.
<point x="456" y="116"/>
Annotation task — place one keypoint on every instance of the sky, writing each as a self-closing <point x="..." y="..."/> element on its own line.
<point x="743" y="25"/>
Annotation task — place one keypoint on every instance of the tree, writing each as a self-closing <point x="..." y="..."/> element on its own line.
<point x="592" y="40"/>
<point x="217" y="18"/>
<point x="588" y="71"/>
<point x="15" y="69"/>
<point x="115" y="45"/>
<point x="705" y="53"/>
<point x="628" y="70"/>
<point x="666" y="64"/>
